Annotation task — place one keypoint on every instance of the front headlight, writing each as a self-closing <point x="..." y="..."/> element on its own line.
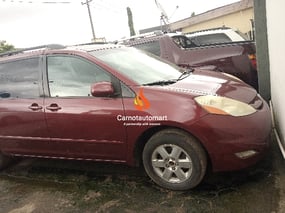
<point x="224" y="106"/>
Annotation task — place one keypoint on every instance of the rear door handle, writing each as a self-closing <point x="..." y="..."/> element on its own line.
<point x="53" y="107"/>
<point x="35" y="107"/>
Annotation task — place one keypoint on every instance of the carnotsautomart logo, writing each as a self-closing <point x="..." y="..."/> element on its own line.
<point x="141" y="119"/>
<point x="140" y="102"/>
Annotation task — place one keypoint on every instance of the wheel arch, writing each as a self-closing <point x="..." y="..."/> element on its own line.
<point x="146" y="135"/>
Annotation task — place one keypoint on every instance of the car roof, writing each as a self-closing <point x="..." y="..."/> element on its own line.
<point x="40" y="50"/>
<point x="93" y="47"/>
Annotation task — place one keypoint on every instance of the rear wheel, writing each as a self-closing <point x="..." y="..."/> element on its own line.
<point x="174" y="160"/>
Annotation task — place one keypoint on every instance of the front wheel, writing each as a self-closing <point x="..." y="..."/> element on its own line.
<point x="174" y="160"/>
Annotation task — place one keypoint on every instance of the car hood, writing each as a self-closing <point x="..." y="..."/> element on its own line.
<point x="213" y="83"/>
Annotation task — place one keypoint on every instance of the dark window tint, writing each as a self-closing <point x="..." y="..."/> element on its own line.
<point x="183" y="41"/>
<point x="152" y="47"/>
<point x="213" y="39"/>
<point x="72" y="76"/>
<point x="20" y="79"/>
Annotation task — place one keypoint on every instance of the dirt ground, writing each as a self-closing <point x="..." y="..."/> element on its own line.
<point x="40" y="186"/>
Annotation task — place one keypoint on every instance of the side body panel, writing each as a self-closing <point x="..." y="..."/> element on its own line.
<point x="23" y="129"/>
<point x="86" y="128"/>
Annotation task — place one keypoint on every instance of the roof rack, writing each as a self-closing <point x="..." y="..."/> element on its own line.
<point x="49" y="46"/>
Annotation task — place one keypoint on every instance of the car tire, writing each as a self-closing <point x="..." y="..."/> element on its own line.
<point x="4" y="161"/>
<point x="174" y="160"/>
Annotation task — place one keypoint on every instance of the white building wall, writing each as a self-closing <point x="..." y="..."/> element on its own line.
<point x="275" y="10"/>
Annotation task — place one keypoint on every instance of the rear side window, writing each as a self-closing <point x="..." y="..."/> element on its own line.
<point x="20" y="79"/>
<point x="183" y="42"/>
<point x="213" y="39"/>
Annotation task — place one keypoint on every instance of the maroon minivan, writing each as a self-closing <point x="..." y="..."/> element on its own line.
<point x="118" y="104"/>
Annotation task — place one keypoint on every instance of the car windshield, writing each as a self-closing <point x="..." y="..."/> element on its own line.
<point x="141" y="67"/>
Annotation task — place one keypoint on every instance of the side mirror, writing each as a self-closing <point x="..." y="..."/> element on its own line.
<point x="102" y="89"/>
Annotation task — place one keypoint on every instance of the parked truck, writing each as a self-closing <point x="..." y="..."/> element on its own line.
<point x="235" y="58"/>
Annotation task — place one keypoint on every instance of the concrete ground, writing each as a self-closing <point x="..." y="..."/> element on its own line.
<point x="32" y="185"/>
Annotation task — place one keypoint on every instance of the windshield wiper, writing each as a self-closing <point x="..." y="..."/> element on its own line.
<point x="163" y="82"/>
<point x="185" y="74"/>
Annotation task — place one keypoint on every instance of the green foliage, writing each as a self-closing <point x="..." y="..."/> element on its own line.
<point x="4" y="47"/>
<point x="131" y="23"/>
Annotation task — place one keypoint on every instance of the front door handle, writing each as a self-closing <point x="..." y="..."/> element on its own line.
<point x="35" y="107"/>
<point x="53" y="107"/>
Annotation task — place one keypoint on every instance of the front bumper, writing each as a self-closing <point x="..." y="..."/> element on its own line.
<point x="234" y="143"/>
